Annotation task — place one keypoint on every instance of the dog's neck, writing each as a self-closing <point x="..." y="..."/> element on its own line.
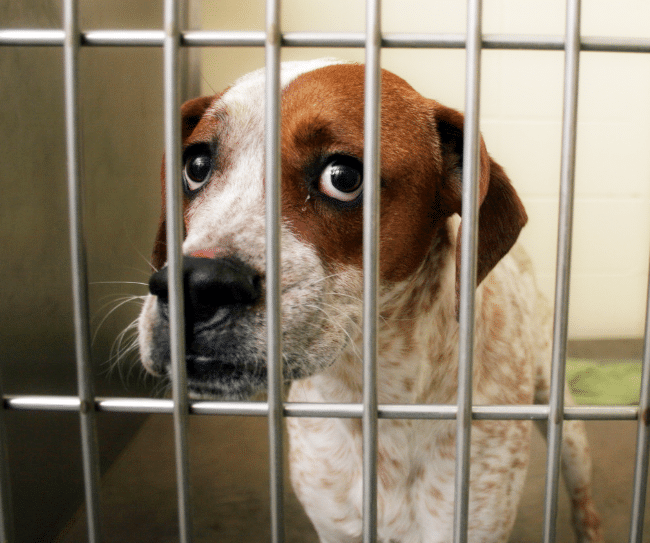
<point x="421" y="308"/>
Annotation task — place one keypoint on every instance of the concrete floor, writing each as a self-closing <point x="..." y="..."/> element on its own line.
<point x="229" y="459"/>
<point x="229" y="462"/>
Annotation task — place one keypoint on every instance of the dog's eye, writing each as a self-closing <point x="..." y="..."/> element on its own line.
<point x="197" y="170"/>
<point x="342" y="179"/>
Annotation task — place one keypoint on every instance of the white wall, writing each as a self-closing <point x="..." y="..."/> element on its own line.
<point x="521" y="121"/>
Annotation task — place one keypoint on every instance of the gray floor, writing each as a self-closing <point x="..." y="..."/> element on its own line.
<point x="229" y="459"/>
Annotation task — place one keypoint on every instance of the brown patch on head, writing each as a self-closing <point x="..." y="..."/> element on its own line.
<point x="421" y="172"/>
<point x="322" y="116"/>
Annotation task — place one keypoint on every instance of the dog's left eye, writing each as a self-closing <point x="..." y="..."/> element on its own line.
<point x="342" y="179"/>
<point x="197" y="169"/>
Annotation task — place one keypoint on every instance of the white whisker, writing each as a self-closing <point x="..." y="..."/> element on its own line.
<point x="119" y="283"/>
<point x="123" y="301"/>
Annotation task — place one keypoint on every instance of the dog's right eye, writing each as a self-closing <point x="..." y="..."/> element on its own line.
<point x="197" y="169"/>
<point x="342" y="179"/>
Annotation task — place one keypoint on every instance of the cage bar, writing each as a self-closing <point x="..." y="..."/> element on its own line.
<point x="563" y="270"/>
<point x="640" y="483"/>
<point x="173" y="196"/>
<point x="371" y="202"/>
<point x="273" y="271"/>
<point x="87" y="415"/>
<point x="469" y="244"/>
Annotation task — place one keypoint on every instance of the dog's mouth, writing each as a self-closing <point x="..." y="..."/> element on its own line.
<point x="225" y="329"/>
<point x="221" y="361"/>
<point x="228" y="382"/>
<point x="210" y="369"/>
<point x="213" y="378"/>
<point x="228" y="361"/>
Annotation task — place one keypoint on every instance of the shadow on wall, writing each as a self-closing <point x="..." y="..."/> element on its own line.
<point x="121" y="107"/>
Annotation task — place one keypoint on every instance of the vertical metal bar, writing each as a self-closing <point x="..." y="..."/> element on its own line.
<point x="642" y="440"/>
<point x="563" y="271"/>
<point x="371" y="206"/>
<point x="171" y="78"/>
<point x="273" y="308"/>
<point x="89" y="445"/>
<point x="7" y="534"/>
<point x="469" y="244"/>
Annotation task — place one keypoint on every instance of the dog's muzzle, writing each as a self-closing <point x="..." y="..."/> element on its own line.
<point x="222" y="297"/>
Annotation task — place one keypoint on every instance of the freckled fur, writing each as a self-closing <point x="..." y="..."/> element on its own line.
<point x="322" y="281"/>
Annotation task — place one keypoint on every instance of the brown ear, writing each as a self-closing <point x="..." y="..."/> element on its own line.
<point x="191" y="112"/>
<point x="501" y="213"/>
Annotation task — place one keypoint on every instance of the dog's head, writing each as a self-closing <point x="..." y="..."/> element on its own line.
<point x="321" y="227"/>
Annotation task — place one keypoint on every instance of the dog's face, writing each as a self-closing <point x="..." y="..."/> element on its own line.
<point x="321" y="227"/>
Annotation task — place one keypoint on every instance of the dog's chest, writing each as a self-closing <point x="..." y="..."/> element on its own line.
<point x="416" y="459"/>
<point x="415" y="477"/>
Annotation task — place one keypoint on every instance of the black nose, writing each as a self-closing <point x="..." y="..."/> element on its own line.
<point x="210" y="284"/>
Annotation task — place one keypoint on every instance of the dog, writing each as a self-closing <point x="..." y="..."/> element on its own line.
<point x="321" y="291"/>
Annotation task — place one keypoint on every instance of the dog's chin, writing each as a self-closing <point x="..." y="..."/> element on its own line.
<point x="216" y="392"/>
<point x="225" y="381"/>
<point x="240" y="390"/>
<point x="223" y="377"/>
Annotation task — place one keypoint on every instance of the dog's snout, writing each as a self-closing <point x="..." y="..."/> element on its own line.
<point x="209" y="285"/>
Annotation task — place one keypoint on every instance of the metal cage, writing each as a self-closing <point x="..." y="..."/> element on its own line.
<point x="171" y="40"/>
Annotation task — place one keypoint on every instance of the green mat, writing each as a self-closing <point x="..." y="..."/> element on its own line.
<point x="604" y="383"/>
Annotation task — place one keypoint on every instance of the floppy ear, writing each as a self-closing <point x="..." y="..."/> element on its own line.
<point x="191" y="113"/>
<point x="501" y="213"/>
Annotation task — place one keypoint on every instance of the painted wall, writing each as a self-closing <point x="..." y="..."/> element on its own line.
<point x="521" y="115"/>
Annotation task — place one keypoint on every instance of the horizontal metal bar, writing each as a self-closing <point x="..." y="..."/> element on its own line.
<point x="324" y="39"/>
<point x="218" y="38"/>
<point x="130" y="405"/>
<point x="250" y="409"/>
<point x="120" y="38"/>
<point x="320" y="410"/>
<point x="489" y="41"/>
<point x="43" y="403"/>
<point x="597" y="412"/>
<point x="34" y="37"/>
<point x="615" y="45"/>
<point x="223" y="38"/>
